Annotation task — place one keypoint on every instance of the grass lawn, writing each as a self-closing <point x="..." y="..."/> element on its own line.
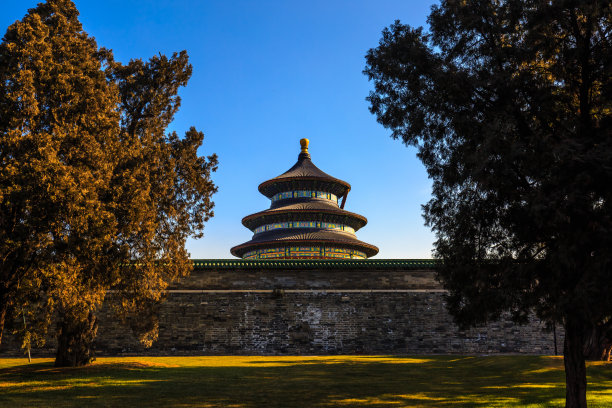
<point x="345" y="381"/>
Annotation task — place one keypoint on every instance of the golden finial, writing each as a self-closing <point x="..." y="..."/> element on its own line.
<point x="304" y="144"/>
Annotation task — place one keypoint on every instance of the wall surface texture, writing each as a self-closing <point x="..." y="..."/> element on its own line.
<point x="390" y="310"/>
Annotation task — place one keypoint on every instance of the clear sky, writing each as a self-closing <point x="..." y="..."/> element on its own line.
<point x="266" y="74"/>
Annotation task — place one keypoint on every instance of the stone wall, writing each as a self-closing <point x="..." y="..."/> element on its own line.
<point x="316" y="311"/>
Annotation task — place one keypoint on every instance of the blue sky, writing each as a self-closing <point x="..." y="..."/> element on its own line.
<point x="266" y="74"/>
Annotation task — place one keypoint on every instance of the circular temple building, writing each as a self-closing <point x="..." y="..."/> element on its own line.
<point x="305" y="220"/>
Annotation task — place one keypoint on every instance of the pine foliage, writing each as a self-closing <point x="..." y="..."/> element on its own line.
<point x="509" y="103"/>
<point x="94" y="192"/>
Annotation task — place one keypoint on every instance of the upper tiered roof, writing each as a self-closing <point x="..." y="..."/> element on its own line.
<point x="304" y="173"/>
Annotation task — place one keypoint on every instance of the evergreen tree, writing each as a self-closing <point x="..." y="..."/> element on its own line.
<point x="87" y="204"/>
<point x="509" y="105"/>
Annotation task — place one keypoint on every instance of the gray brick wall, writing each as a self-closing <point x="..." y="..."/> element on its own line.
<point x="314" y="312"/>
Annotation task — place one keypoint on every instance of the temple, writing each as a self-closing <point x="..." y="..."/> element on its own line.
<point x="305" y="219"/>
<point x="304" y="287"/>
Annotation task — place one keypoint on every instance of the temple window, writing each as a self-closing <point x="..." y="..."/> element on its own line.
<point x="306" y="252"/>
<point x="305" y="194"/>
<point x="304" y="224"/>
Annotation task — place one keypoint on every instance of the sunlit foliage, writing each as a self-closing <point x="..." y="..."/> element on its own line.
<point x="94" y="193"/>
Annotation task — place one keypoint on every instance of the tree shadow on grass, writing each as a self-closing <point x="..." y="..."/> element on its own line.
<point x="436" y="381"/>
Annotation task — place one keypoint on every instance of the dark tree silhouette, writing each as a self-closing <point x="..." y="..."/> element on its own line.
<point x="509" y="103"/>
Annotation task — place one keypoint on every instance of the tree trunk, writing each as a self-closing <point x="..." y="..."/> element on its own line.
<point x="75" y="336"/>
<point x="598" y="344"/>
<point x="575" y="367"/>
<point x="3" y="310"/>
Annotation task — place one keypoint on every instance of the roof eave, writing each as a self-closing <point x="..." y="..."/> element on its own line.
<point x="266" y="189"/>
<point x="239" y="250"/>
<point x="249" y="220"/>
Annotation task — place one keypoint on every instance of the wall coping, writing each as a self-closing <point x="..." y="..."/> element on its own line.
<point x="210" y="264"/>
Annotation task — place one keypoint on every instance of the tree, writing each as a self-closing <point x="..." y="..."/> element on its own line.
<point x="509" y="105"/>
<point x="164" y="186"/>
<point x="94" y="194"/>
<point x="58" y="121"/>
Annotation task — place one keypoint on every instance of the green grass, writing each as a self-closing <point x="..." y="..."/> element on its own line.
<point x="345" y="381"/>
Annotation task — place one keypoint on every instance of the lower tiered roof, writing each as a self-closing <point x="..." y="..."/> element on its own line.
<point x="304" y="236"/>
